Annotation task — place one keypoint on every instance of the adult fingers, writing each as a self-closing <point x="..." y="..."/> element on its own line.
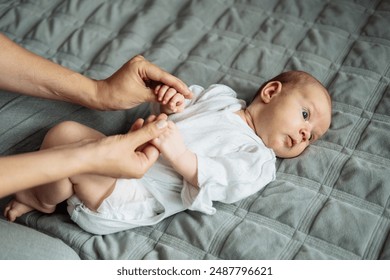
<point x="157" y="74"/>
<point x="153" y="118"/>
<point x="152" y="72"/>
<point x="151" y="153"/>
<point x="137" y="124"/>
<point x="146" y="133"/>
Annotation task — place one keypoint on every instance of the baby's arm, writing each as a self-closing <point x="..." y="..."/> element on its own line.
<point x="173" y="149"/>
<point x="171" y="100"/>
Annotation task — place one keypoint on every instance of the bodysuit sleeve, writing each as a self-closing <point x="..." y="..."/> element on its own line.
<point x="229" y="178"/>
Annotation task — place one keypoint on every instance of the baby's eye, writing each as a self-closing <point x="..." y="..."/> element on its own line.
<point x="305" y="115"/>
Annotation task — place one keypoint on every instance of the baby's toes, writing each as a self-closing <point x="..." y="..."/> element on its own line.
<point x="15" y="209"/>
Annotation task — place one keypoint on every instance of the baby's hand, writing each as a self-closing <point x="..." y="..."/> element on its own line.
<point x="171" y="101"/>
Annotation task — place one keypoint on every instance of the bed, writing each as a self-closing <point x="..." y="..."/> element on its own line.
<point x="333" y="202"/>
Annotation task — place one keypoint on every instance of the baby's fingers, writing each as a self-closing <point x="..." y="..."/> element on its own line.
<point x="157" y="89"/>
<point x="169" y="94"/>
<point x="176" y="104"/>
<point x="161" y="90"/>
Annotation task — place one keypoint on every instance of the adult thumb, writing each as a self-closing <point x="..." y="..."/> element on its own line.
<point x="147" y="133"/>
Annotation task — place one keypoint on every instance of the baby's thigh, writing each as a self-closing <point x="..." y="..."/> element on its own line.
<point x="92" y="189"/>
<point x="69" y="132"/>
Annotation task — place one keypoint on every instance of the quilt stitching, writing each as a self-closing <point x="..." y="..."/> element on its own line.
<point x="269" y="47"/>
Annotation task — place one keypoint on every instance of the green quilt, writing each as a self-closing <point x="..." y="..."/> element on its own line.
<point x="330" y="203"/>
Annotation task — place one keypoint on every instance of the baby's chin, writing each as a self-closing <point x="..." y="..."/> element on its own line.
<point x="281" y="148"/>
<point x="286" y="153"/>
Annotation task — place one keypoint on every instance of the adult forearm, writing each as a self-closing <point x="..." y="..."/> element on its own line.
<point x="25" y="72"/>
<point x="32" y="169"/>
<point x="118" y="156"/>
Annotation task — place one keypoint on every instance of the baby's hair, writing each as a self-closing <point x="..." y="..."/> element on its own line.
<point x="294" y="79"/>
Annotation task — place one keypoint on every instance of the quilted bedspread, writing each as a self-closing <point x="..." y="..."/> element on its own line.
<point x="332" y="202"/>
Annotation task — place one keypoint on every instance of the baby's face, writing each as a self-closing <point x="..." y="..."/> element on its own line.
<point x="292" y="121"/>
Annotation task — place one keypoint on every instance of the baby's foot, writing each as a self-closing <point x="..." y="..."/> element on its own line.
<point x="15" y="209"/>
<point x="24" y="202"/>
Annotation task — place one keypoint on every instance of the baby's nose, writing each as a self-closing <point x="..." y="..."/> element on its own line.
<point x="305" y="132"/>
<point x="305" y="136"/>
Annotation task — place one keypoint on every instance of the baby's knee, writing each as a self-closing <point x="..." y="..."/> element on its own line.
<point x="67" y="129"/>
<point x="63" y="133"/>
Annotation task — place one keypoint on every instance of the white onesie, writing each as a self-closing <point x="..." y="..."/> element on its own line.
<point x="233" y="163"/>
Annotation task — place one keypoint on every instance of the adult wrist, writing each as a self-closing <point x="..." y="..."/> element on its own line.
<point x="97" y="97"/>
<point x="84" y="154"/>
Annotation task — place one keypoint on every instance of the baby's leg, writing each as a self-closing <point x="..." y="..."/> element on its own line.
<point x="45" y="197"/>
<point x="92" y="189"/>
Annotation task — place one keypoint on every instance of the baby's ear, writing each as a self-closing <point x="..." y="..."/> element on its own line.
<point x="270" y="90"/>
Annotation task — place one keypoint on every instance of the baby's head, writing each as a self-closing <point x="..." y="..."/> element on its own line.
<point x="290" y="111"/>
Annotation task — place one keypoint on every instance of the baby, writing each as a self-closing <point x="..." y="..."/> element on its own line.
<point x="215" y="149"/>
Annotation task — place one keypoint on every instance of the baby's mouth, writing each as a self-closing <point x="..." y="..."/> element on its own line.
<point x="291" y="141"/>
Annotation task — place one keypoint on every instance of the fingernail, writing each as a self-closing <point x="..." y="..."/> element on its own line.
<point x="161" y="124"/>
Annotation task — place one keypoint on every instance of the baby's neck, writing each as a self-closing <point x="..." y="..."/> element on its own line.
<point x="246" y="117"/>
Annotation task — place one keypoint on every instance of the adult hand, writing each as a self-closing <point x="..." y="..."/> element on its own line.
<point x="133" y="84"/>
<point x="128" y="155"/>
